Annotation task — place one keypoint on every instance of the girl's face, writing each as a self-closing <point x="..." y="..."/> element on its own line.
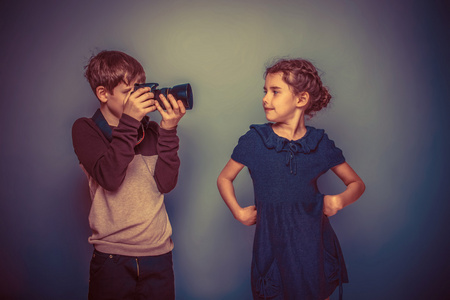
<point x="280" y="104"/>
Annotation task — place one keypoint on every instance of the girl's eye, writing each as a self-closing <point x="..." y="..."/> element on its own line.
<point x="275" y="92"/>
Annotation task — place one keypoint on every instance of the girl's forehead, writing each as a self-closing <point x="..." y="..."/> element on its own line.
<point x="275" y="79"/>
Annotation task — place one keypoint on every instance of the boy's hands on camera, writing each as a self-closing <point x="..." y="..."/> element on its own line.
<point x="139" y="103"/>
<point x="175" y="110"/>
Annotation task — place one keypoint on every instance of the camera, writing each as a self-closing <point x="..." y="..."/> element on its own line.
<point x="181" y="92"/>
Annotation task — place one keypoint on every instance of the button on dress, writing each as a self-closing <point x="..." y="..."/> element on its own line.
<point x="296" y="254"/>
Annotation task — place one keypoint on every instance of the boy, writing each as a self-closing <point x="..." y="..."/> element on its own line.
<point x="130" y="162"/>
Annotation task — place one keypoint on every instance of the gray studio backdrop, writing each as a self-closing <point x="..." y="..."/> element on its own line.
<point x="382" y="60"/>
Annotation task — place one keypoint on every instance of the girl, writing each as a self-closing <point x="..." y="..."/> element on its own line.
<point x="296" y="254"/>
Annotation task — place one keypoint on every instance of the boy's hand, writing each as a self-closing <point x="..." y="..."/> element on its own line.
<point x="139" y="103"/>
<point x="247" y="215"/>
<point x="175" y="110"/>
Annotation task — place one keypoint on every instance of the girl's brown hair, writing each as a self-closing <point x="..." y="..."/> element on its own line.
<point x="302" y="76"/>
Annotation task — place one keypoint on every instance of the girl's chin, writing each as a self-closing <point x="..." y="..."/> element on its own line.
<point x="269" y="117"/>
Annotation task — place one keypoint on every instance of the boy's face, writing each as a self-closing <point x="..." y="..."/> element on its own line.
<point x="118" y="98"/>
<point x="112" y="103"/>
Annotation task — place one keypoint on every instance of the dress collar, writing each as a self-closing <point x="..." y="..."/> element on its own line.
<point x="306" y="144"/>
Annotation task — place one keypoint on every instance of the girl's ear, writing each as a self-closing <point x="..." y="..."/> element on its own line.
<point x="102" y="93"/>
<point x="303" y="99"/>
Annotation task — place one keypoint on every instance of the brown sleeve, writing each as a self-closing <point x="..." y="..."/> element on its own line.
<point x="105" y="162"/>
<point x="168" y="163"/>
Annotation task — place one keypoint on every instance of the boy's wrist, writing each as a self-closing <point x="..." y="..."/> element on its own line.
<point x="168" y="125"/>
<point x="168" y="129"/>
<point x="129" y="120"/>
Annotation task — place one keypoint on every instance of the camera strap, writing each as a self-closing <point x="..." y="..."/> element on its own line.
<point x="101" y="123"/>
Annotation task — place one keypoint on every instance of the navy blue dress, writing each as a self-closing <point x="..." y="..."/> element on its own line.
<point x="296" y="254"/>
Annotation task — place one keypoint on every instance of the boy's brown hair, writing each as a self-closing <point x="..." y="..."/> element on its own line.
<point x="109" y="68"/>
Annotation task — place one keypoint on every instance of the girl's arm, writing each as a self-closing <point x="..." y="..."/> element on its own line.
<point x="246" y="215"/>
<point x="355" y="188"/>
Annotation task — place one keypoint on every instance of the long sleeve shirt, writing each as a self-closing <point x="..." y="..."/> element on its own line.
<point x="127" y="183"/>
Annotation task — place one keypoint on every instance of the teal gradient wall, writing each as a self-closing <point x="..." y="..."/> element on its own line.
<point x="385" y="62"/>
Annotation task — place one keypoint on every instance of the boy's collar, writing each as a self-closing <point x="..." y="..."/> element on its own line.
<point x="100" y="121"/>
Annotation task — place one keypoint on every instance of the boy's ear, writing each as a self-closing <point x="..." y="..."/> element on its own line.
<point x="302" y="99"/>
<point x="102" y="93"/>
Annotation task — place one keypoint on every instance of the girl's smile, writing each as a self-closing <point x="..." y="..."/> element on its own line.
<point x="280" y="104"/>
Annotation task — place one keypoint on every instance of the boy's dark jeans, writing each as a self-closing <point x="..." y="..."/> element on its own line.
<point x="125" y="277"/>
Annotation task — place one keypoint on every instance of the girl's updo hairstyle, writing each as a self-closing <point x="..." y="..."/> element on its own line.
<point x="302" y="76"/>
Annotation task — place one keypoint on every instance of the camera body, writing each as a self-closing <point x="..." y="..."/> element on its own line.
<point x="181" y="92"/>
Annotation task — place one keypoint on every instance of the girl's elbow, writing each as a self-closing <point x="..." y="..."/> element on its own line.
<point x="362" y="187"/>
<point x="221" y="180"/>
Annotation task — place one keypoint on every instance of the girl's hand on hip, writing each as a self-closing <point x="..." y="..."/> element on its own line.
<point x="247" y="215"/>
<point x="331" y="205"/>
